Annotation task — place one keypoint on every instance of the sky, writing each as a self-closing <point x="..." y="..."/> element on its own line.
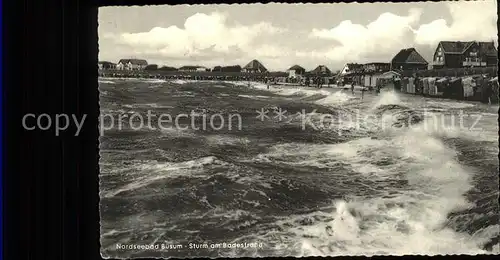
<point x="282" y="35"/>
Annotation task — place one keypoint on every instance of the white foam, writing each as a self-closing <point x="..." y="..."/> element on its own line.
<point x="226" y="140"/>
<point x="179" y="81"/>
<point x="288" y="91"/>
<point x="107" y="82"/>
<point x="410" y="219"/>
<point x="449" y="104"/>
<point x="387" y="98"/>
<point x="252" y="96"/>
<point x="437" y="184"/>
<point x="336" y="98"/>
<point x="153" y="171"/>
<point x="154" y="80"/>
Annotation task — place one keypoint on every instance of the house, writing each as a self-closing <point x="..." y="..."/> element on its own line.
<point x="192" y="68"/>
<point x="372" y="72"/>
<point x="131" y="64"/>
<point x="456" y="54"/>
<point x="489" y="53"/>
<point x="387" y="79"/>
<point x="321" y="70"/>
<point x="351" y="69"/>
<point x="254" y="67"/>
<point x="106" y="65"/>
<point x="390" y="75"/>
<point x="351" y="73"/>
<point x="296" y="71"/>
<point x="408" y="60"/>
<point x="376" y="67"/>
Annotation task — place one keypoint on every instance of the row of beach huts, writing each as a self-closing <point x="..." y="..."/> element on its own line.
<point x="481" y="88"/>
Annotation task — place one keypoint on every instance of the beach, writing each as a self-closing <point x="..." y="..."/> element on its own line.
<point x="293" y="171"/>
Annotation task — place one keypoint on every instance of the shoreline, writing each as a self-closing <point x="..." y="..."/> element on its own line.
<point x="254" y="83"/>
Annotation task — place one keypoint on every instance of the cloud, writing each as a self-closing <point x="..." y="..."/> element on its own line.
<point x="203" y="35"/>
<point x="387" y="33"/>
<point x="210" y="40"/>
<point x="474" y="20"/>
<point x="384" y="37"/>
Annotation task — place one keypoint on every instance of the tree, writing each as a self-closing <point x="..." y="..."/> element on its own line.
<point x="167" y="68"/>
<point x="151" y="67"/>
<point x="236" y="68"/>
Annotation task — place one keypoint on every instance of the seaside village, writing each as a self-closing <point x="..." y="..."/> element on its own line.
<point x="459" y="70"/>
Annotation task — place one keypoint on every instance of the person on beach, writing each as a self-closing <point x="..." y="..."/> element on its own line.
<point x="487" y="93"/>
<point x="362" y="93"/>
<point x="352" y="88"/>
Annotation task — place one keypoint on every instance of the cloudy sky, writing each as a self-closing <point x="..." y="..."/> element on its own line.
<point x="281" y="35"/>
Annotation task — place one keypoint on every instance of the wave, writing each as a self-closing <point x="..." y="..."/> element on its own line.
<point x="449" y="104"/>
<point x="252" y="96"/>
<point x="153" y="171"/>
<point x="336" y="98"/>
<point x="179" y="81"/>
<point x="392" y="221"/>
<point x="284" y="91"/>
<point x="107" y="82"/>
<point x="387" y="98"/>
<point x="404" y="186"/>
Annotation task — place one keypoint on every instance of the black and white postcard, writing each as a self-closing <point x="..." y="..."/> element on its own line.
<point x="299" y="130"/>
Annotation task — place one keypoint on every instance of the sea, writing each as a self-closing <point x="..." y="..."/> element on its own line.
<point x="233" y="169"/>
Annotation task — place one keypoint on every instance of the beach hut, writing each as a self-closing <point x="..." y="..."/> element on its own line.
<point x="404" y="85"/>
<point x="410" y="88"/>
<point x="419" y="85"/>
<point x="468" y="87"/>
<point x="442" y="86"/>
<point x="367" y="81"/>
<point x="425" y="85"/>
<point x="432" y="87"/>
<point x="480" y="89"/>
<point x="455" y="89"/>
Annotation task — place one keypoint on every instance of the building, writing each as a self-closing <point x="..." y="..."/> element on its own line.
<point x="254" y="67"/>
<point x="376" y="67"/>
<point x="296" y="71"/>
<point x="372" y="72"/>
<point x="458" y="54"/>
<point x="351" y="68"/>
<point x="192" y="68"/>
<point x="321" y="70"/>
<point x="351" y="73"/>
<point x="408" y="60"/>
<point x="106" y="65"/>
<point x="131" y="64"/>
